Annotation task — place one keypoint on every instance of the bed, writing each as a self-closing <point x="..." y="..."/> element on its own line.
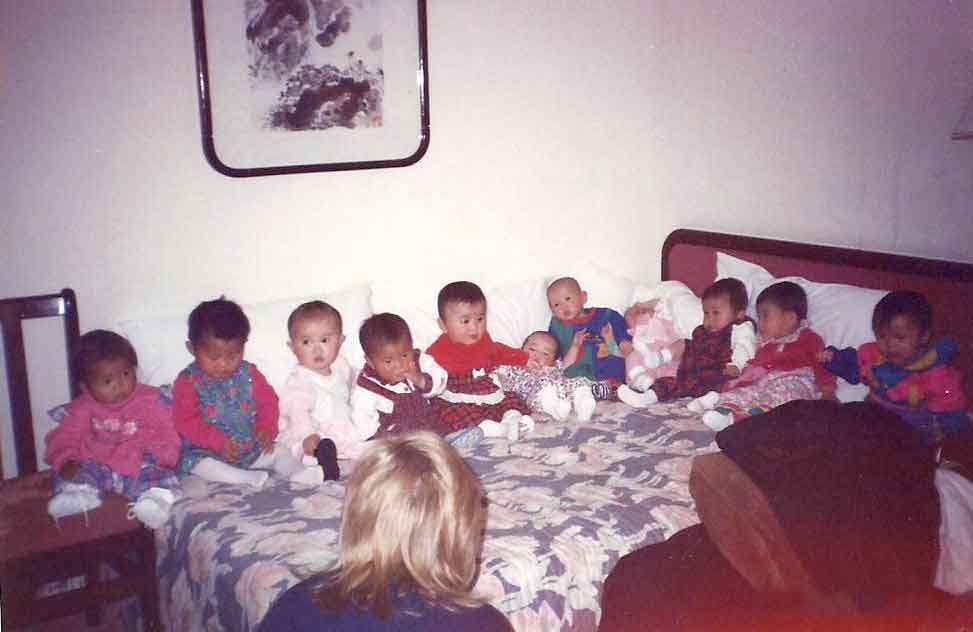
<point x="566" y="503"/>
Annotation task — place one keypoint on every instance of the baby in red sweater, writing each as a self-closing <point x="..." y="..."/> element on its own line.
<point x="466" y="351"/>
<point x="786" y="365"/>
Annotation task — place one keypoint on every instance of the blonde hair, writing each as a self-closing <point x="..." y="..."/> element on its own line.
<point x="413" y="520"/>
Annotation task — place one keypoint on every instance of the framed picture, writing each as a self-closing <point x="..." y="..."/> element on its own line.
<point x="295" y="86"/>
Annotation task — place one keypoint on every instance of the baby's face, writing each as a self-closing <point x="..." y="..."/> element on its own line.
<point x="315" y="342"/>
<point x="464" y="323"/>
<point x="541" y="348"/>
<point x="218" y="357"/>
<point x="393" y="361"/>
<point x="773" y="322"/>
<point x="110" y="381"/>
<point x="718" y="313"/>
<point x="566" y="300"/>
<point x="901" y="340"/>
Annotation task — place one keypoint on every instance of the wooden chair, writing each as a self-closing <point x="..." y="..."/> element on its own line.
<point x="49" y="570"/>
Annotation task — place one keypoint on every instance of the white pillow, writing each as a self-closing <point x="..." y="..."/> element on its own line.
<point x="841" y="314"/>
<point x="401" y="299"/>
<point x="604" y="288"/>
<point x="517" y="310"/>
<point x="161" y="348"/>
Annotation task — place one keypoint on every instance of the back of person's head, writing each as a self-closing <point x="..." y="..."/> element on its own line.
<point x="379" y="330"/>
<point x="906" y="303"/>
<point x="732" y="289"/>
<point x="220" y="318"/>
<point x="787" y="296"/>
<point x="313" y="309"/>
<point x="459" y="292"/>
<point x="413" y="520"/>
<point x="97" y="346"/>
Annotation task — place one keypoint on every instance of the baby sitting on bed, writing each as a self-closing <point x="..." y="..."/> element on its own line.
<point x="466" y="351"/>
<point x="223" y="406"/>
<point x="594" y="340"/>
<point x="785" y="367"/>
<point x="543" y="385"/>
<point x="718" y="350"/>
<point x="904" y="371"/>
<point x="393" y="391"/>
<point x="315" y="417"/>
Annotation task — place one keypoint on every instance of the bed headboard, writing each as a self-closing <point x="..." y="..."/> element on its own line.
<point x="690" y="256"/>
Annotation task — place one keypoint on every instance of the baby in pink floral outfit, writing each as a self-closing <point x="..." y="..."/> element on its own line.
<point x="543" y="385"/>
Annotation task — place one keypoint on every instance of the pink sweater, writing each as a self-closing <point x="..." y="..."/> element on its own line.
<point x="115" y="435"/>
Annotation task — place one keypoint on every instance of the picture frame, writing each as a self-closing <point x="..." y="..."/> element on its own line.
<point x="299" y="86"/>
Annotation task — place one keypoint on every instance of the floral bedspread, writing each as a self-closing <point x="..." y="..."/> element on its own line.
<point x="565" y="504"/>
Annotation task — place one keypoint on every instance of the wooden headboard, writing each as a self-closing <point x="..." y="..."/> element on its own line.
<point x="690" y="256"/>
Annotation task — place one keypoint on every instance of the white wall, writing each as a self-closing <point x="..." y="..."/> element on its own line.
<point x="559" y="129"/>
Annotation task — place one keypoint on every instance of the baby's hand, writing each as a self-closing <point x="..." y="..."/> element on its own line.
<point x="731" y="371"/>
<point x="533" y="364"/>
<point x="266" y="441"/>
<point x="828" y="392"/>
<point x="310" y="444"/>
<point x="414" y="375"/>
<point x="233" y="449"/>
<point x="579" y="337"/>
<point x="825" y="356"/>
<point x="607" y="333"/>
<point x="69" y="470"/>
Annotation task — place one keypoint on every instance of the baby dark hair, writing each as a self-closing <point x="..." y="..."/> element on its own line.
<point x="912" y="305"/>
<point x="99" y="345"/>
<point x="309" y="309"/>
<point x="382" y="329"/>
<point x="459" y="292"/>
<point x="220" y="318"/>
<point x="549" y="335"/>
<point x="733" y="289"/>
<point x="789" y="297"/>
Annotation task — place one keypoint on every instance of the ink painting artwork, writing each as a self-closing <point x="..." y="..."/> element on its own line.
<point x="294" y="86"/>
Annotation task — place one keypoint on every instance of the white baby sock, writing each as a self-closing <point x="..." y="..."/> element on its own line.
<point x="715" y="420"/>
<point x="73" y="498"/>
<point x="220" y="472"/>
<point x="584" y="403"/>
<point x="552" y="404"/>
<point x="639" y="379"/>
<point x="492" y="429"/>
<point x="704" y="403"/>
<point x="635" y="399"/>
<point x="511" y="422"/>
<point x="313" y="475"/>
<point x="153" y="507"/>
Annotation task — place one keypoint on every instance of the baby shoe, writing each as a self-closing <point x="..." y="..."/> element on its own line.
<point x="327" y="456"/>
<point x="73" y="498"/>
<point x="704" y="403"/>
<point x="153" y="507"/>
<point x="635" y="399"/>
<point x="552" y="404"/>
<point x="584" y="403"/>
<point x="465" y="437"/>
<point x="716" y="420"/>
<point x="642" y="382"/>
